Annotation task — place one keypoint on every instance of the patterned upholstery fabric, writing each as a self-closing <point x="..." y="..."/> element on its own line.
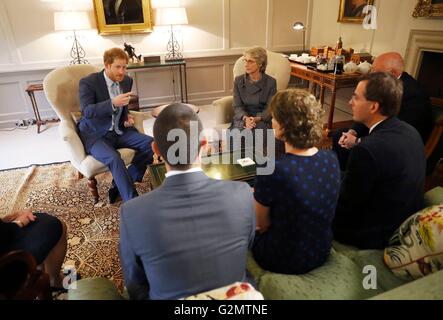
<point x="416" y="248"/>
<point x="386" y="280"/>
<point x="338" y="279"/>
<point x="427" y="288"/>
<point x="235" y="291"/>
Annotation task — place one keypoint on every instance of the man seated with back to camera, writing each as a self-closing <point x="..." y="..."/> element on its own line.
<point x="192" y="233"/>
<point x="384" y="179"/>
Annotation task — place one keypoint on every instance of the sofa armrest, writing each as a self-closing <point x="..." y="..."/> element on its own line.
<point x="94" y="289"/>
<point x="224" y="112"/>
<point x="434" y="197"/>
<point x="68" y="133"/>
<point x="426" y="288"/>
<point x="138" y="119"/>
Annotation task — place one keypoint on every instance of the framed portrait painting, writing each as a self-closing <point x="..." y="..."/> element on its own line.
<point x="352" y="10"/>
<point x="123" y="16"/>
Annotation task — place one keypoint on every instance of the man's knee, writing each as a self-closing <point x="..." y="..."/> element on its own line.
<point x="147" y="144"/>
<point x="115" y="159"/>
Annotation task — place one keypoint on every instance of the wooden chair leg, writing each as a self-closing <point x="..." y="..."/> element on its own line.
<point x="92" y="185"/>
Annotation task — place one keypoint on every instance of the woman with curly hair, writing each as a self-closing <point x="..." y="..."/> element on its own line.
<point x="295" y="205"/>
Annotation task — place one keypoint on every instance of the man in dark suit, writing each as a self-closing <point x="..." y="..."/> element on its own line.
<point x="106" y="125"/>
<point x="384" y="179"/>
<point x="192" y="233"/>
<point x="415" y="107"/>
<point x="123" y="11"/>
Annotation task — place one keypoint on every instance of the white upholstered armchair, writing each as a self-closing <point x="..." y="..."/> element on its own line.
<point x="61" y="90"/>
<point x="278" y="67"/>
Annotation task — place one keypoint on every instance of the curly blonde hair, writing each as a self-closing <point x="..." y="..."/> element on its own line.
<point x="300" y="117"/>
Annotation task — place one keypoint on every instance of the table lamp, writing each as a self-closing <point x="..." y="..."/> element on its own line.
<point x="171" y="17"/>
<point x="73" y="21"/>
<point x="300" y="26"/>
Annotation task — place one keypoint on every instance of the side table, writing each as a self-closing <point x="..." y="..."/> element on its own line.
<point x="30" y="90"/>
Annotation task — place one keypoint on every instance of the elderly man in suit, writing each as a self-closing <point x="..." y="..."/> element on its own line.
<point x="192" y="233"/>
<point x="106" y="125"/>
<point x="384" y="179"/>
<point x="415" y="107"/>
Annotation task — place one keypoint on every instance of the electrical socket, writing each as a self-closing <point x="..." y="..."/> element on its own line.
<point x="20" y="123"/>
<point x="25" y="123"/>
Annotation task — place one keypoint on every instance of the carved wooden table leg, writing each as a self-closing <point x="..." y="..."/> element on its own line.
<point x="331" y="110"/>
<point x="92" y="184"/>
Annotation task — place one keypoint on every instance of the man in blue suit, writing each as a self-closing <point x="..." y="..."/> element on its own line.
<point x="192" y="233"/>
<point x="106" y="124"/>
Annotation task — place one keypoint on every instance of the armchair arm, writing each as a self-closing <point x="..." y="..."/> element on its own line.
<point x="68" y="133"/>
<point x="224" y="112"/>
<point x="138" y="119"/>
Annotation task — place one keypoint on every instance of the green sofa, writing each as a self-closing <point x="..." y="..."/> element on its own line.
<point x="342" y="277"/>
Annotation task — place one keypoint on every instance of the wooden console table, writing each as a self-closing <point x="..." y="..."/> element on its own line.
<point x="181" y="64"/>
<point x="30" y="90"/>
<point x="325" y="80"/>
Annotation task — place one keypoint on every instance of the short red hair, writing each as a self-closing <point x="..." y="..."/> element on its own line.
<point x="115" y="53"/>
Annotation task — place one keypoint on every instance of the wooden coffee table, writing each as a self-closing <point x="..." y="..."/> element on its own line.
<point x="215" y="168"/>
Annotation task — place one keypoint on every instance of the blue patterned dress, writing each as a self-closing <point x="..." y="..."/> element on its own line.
<point x="302" y="195"/>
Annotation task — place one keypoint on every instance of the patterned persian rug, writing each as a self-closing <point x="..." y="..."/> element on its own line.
<point x="93" y="231"/>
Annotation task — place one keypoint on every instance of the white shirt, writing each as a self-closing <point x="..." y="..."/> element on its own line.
<point x="117" y="6"/>
<point x="373" y="127"/>
<point x="109" y="84"/>
<point x="177" y="172"/>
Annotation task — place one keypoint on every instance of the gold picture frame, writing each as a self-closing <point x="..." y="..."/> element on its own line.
<point x="131" y="16"/>
<point x="428" y="9"/>
<point x="352" y="10"/>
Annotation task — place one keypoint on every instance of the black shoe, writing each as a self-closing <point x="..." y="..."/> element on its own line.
<point x="114" y="195"/>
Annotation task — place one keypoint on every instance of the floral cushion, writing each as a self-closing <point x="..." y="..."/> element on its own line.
<point x="416" y="248"/>
<point x="235" y="291"/>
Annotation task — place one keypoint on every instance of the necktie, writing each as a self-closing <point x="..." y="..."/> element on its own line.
<point x="118" y="112"/>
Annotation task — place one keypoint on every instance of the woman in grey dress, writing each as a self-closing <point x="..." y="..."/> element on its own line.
<point x="253" y="92"/>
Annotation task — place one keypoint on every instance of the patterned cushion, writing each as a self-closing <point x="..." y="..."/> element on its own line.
<point x="235" y="291"/>
<point x="416" y="248"/>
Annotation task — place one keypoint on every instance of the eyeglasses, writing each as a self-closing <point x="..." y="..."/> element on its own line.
<point x="249" y="61"/>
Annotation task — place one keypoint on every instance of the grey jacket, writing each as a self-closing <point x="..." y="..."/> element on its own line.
<point x="188" y="236"/>
<point x="252" y="99"/>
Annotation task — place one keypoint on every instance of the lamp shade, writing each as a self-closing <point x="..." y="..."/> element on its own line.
<point x="170" y="16"/>
<point x="71" y="20"/>
<point x="298" y="26"/>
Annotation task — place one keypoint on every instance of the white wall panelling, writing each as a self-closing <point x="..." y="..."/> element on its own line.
<point x="218" y="32"/>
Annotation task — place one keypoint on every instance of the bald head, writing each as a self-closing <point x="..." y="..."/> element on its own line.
<point x="391" y="62"/>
